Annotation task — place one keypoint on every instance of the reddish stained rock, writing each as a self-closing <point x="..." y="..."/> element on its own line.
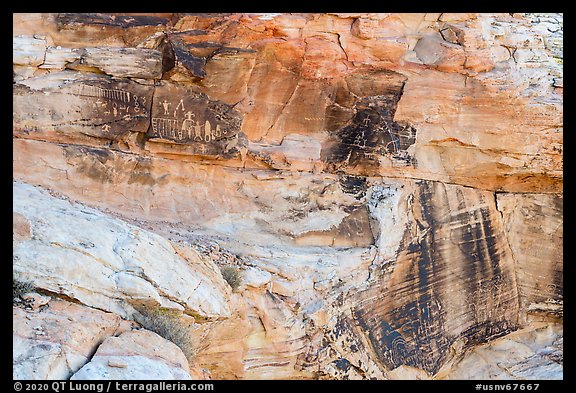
<point x="356" y="177"/>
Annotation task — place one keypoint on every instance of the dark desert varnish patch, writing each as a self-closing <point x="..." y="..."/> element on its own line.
<point x="409" y="320"/>
<point x="124" y="21"/>
<point x="355" y="185"/>
<point x="372" y="132"/>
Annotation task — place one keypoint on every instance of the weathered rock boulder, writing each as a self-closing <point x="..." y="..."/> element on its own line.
<point x="108" y="264"/>
<point x="534" y="353"/>
<point x="56" y="341"/>
<point x="138" y="354"/>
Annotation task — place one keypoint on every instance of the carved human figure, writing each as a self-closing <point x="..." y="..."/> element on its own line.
<point x="187" y="125"/>
<point x="165" y="104"/>
<point x="218" y="131"/>
<point x="366" y="120"/>
<point x="197" y="131"/>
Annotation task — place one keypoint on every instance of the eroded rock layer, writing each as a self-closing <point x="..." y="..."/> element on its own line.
<point x="388" y="188"/>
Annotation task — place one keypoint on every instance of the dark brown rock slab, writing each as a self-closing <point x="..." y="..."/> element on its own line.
<point x="372" y="132"/>
<point x="80" y="106"/>
<point x="186" y="117"/>
<point x="453" y="280"/>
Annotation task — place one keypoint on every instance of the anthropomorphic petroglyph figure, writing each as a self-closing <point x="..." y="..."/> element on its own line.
<point x="106" y="127"/>
<point x="187" y="125"/>
<point x="366" y="121"/>
<point x="197" y="131"/>
<point x="165" y="104"/>
<point x="218" y="131"/>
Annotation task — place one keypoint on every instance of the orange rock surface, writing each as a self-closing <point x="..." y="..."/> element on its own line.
<point x="389" y="186"/>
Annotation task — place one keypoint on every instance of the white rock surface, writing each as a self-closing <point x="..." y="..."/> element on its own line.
<point x="57" y="341"/>
<point x="136" y="355"/>
<point x="533" y="353"/>
<point x="28" y="50"/>
<point x="108" y="264"/>
<point x="124" y="62"/>
<point x="58" y="57"/>
<point x="254" y="277"/>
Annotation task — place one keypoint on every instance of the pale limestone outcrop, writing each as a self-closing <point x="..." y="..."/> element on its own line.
<point x="534" y="353"/>
<point x="138" y="354"/>
<point x="56" y="341"/>
<point x="108" y="264"/>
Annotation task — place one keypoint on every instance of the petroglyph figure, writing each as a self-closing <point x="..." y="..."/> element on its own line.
<point x="164" y="127"/>
<point x="155" y="126"/>
<point x="389" y="144"/>
<point x="366" y="121"/>
<point x="180" y="104"/>
<point x="197" y="131"/>
<point x="165" y="104"/>
<point x="187" y="125"/>
<point x="218" y="131"/>
<point x="136" y="105"/>
<point x="207" y="131"/>
<point x="106" y="127"/>
<point x="112" y="94"/>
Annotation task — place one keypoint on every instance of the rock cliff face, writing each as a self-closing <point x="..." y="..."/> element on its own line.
<point x="387" y="186"/>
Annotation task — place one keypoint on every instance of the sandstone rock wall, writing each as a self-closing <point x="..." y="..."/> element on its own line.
<point x="388" y="185"/>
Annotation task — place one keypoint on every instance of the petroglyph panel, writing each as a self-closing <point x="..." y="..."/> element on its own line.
<point x="372" y="133"/>
<point x="453" y="279"/>
<point x="183" y="116"/>
<point x="97" y="106"/>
